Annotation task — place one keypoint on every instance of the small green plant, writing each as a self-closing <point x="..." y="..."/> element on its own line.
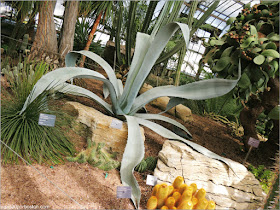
<point x="263" y="175"/>
<point x="22" y="132"/>
<point x="273" y="195"/>
<point x="149" y="163"/>
<point x="97" y="156"/>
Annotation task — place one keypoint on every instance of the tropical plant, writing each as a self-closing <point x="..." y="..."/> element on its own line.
<point x="82" y="30"/>
<point x="100" y="8"/>
<point x="22" y="133"/>
<point x="125" y="102"/>
<point x="254" y="34"/>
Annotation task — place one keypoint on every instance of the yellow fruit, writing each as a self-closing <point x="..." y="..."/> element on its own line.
<point x="164" y="207"/>
<point x="185" y="205"/>
<point x="202" y="203"/>
<point x="194" y="200"/>
<point x="194" y="186"/>
<point x="170" y="202"/>
<point x="176" y="196"/>
<point x="170" y="190"/>
<point x="182" y="188"/>
<point x="162" y="194"/>
<point x="178" y="181"/>
<point x="155" y="189"/>
<point x="152" y="203"/>
<point x="173" y="207"/>
<point x="211" y="205"/>
<point x="200" y="194"/>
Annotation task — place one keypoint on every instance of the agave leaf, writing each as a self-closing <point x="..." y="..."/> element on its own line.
<point x="143" y="42"/>
<point x="106" y="92"/>
<point x="79" y="91"/>
<point x="203" y="89"/>
<point x="200" y="90"/>
<point x="155" y="49"/>
<point x="170" y="135"/>
<point x="165" y="119"/>
<point x="71" y="58"/>
<point x="132" y="156"/>
<point x="120" y="84"/>
<point x="57" y="77"/>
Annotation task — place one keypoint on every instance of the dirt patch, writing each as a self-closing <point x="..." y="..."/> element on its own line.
<point x="88" y="186"/>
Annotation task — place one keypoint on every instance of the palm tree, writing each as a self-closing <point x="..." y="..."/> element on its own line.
<point x="101" y="8"/>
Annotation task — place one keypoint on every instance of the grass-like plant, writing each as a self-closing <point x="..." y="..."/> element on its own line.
<point x="125" y="100"/>
<point x="21" y="132"/>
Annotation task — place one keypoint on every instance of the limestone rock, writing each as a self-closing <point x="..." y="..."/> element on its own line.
<point x="106" y="129"/>
<point x="226" y="189"/>
<point x="180" y="111"/>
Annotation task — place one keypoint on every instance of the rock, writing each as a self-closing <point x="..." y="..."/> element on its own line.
<point x="180" y="111"/>
<point x="220" y="183"/>
<point x="102" y="127"/>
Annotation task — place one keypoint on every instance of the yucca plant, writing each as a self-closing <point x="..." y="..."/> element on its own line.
<point x="21" y="132"/>
<point x="126" y="103"/>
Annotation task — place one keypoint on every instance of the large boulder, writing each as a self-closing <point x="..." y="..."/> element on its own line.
<point x="104" y="129"/>
<point x="229" y="191"/>
<point x="180" y="111"/>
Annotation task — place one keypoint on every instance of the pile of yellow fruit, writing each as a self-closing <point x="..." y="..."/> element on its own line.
<point x="179" y="196"/>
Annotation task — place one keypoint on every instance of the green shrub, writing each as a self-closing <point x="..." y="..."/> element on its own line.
<point x="22" y="132"/>
<point x="263" y="175"/>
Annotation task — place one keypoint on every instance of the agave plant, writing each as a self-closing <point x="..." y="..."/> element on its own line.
<point x="125" y="100"/>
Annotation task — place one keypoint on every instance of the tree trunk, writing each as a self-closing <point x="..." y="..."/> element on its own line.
<point x="248" y="119"/>
<point x="45" y="38"/>
<point x="270" y="99"/>
<point x="90" y="36"/>
<point x="68" y="28"/>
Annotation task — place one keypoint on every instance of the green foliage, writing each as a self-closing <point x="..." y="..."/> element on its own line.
<point x="22" y="132"/>
<point x="148" y="163"/>
<point x="273" y="197"/>
<point x="264" y="125"/>
<point x="97" y="156"/>
<point x="263" y="175"/>
<point x="82" y="30"/>
<point x="253" y="35"/>
<point x="224" y="105"/>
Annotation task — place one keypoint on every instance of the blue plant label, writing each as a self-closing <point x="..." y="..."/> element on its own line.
<point x="116" y="124"/>
<point x="47" y="120"/>
<point x="123" y="192"/>
<point x="253" y="142"/>
<point x="151" y="180"/>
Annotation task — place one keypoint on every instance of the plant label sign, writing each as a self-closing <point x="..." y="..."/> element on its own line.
<point x="151" y="180"/>
<point x="253" y="142"/>
<point x="123" y="192"/>
<point x="47" y="120"/>
<point x="116" y="124"/>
